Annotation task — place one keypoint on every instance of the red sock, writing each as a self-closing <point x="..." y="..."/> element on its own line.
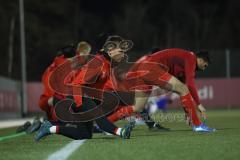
<point x="189" y="108"/>
<point x="120" y="113"/>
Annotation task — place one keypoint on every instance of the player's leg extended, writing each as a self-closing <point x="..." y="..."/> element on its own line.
<point x="126" y="111"/>
<point x="109" y="127"/>
<point x="189" y="105"/>
<point x="167" y="81"/>
<point x="75" y="131"/>
<point x="186" y="99"/>
<point x="83" y="130"/>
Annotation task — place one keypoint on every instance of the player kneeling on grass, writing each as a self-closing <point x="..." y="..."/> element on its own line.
<point x="46" y="99"/>
<point x="64" y="54"/>
<point x="83" y="130"/>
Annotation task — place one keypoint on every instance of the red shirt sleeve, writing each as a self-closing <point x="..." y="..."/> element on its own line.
<point x="89" y="73"/>
<point x="190" y="67"/>
<point x="108" y="85"/>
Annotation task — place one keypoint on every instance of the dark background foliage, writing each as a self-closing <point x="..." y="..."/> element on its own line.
<point x="199" y="24"/>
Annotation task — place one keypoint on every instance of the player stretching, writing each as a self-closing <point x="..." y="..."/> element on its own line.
<point x="66" y="54"/>
<point x="179" y="77"/>
<point x="94" y="75"/>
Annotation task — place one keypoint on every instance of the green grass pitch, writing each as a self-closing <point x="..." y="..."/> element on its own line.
<point x="179" y="143"/>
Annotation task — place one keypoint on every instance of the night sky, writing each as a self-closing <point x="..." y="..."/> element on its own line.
<point x="50" y="25"/>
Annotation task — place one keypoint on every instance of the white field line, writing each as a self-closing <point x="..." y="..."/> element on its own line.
<point x="65" y="152"/>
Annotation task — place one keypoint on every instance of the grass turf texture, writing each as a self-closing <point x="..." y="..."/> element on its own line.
<point x="179" y="143"/>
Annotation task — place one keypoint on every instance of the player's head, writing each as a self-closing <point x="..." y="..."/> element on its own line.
<point x="203" y="60"/>
<point x="115" y="46"/>
<point x="83" y="48"/>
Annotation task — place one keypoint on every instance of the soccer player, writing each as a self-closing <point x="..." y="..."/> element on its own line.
<point x="95" y="75"/>
<point x="45" y="100"/>
<point x="177" y="75"/>
<point x="66" y="53"/>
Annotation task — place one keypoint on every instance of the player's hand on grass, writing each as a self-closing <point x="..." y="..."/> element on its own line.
<point x="202" y="110"/>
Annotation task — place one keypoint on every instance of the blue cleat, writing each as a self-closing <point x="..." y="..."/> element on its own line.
<point x="43" y="131"/>
<point x="203" y="128"/>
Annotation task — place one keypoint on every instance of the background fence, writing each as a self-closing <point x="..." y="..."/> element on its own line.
<point x="214" y="93"/>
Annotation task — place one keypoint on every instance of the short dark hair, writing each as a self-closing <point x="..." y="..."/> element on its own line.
<point x="204" y="55"/>
<point x="115" y="38"/>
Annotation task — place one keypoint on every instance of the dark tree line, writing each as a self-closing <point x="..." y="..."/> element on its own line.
<point x="50" y="25"/>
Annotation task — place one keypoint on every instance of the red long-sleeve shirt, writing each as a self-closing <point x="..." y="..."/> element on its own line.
<point x="181" y="64"/>
<point x="94" y="74"/>
<point x="47" y="93"/>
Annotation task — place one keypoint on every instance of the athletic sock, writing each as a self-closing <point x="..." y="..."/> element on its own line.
<point x="189" y="107"/>
<point x="118" y="131"/>
<point x="121" y="113"/>
<point x="54" y="129"/>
